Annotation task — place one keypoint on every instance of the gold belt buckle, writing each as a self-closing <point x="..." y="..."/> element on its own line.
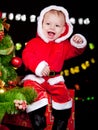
<point x="52" y="73"/>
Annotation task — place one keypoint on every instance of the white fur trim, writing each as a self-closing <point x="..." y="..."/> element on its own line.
<point x="40" y="19"/>
<point x="40" y="67"/>
<point x="55" y="80"/>
<point x="33" y="78"/>
<point x="36" y="105"/>
<point x="62" y="106"/>
<point x="81" y="45"/>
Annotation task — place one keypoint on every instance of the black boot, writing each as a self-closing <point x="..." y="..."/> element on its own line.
<point x="38" y="119"/>
<point x="61" y="119"/>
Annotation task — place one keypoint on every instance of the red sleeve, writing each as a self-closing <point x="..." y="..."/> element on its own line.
<point x="29" y="55"/>
<point x="71" y="51"/>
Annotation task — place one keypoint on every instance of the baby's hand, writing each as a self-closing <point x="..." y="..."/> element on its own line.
<point x="77" y="39"/>
<point x="46" y="71"/>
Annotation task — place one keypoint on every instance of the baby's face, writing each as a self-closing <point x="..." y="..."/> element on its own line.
<point x="53" y="26"/>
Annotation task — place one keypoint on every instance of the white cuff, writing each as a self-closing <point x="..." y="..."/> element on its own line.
<point x="40" y="67"/>
<point x="81" y="45"/>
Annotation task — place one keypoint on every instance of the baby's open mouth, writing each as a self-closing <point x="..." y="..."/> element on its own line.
<point x="51" y="34"/>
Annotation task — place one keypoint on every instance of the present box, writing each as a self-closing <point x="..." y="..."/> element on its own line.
<point x="3" y="127"/>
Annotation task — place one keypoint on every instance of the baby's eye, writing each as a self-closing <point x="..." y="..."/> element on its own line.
<point x="57" y="25"/>
<point x="48" y="23"/>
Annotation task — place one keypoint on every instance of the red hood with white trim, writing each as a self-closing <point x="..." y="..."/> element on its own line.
<point x="69" y="27"/>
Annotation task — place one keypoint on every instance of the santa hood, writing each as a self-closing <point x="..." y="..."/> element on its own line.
<point x="69" y="27"/>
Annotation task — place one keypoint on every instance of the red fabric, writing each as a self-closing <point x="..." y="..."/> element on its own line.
<point x="41" y="93"/>
<point x="59" y="89"/>
<point x="37" y="51"/>
<point x="3" y="127"/>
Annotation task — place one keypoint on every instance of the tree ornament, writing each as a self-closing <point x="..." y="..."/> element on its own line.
<point x="2" y="90"/>
<point x="16" y="61"/>
<point x="18" y="46"/>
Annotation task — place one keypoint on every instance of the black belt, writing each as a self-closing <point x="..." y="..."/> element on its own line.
<point x="52" y="73"/>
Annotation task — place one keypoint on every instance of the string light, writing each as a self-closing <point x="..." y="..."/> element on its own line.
<point x="87" y="63"/>
<point x="73" y="20"/>
<point x="23" y="18"/>
<point x="85" y="98"/>
<point x="80" y="21"/>
<point x="76" y="69"/>
<point x="92" y="60"/>
<point x="32" y="18"/>
<point x="66" y="72"/>
<point x="11" y="16"/>
<point x="83" y="66"/>
<point x="86" y="21"/>
<point x="18" y="17"/>
<point x="91" y="46"/>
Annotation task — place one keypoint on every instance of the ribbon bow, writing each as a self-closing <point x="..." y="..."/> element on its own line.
<point x="6" y="25"/>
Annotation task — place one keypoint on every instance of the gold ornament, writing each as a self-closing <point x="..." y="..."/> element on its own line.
<point x="2" y="89"/>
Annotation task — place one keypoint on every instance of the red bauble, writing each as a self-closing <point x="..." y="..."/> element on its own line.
<point x="16" y="61"/>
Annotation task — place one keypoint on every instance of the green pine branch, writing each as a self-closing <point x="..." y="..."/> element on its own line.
<point x="7" y="99"/>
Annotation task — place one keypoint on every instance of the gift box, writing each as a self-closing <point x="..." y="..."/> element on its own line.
<point x="3" y="127"/>
<point x="22" y="119"/>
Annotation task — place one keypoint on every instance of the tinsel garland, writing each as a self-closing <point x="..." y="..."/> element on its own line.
<point x="6" y="45"/>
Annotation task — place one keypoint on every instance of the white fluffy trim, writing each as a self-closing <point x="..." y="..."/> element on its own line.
<point x="33" y="78"/>
<point x="81" y="45"/>
<point x="62" y="106"/>
<point x="40" y="67"/>
<point x="55" y="80"/>
<point x="36" y="105"/>
<point x="40" y="19"/>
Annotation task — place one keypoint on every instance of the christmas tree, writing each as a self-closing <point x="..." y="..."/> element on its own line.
<point x="13" y="97"/>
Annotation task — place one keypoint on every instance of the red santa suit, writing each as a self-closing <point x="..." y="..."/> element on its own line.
<point x="40" y="52"/>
